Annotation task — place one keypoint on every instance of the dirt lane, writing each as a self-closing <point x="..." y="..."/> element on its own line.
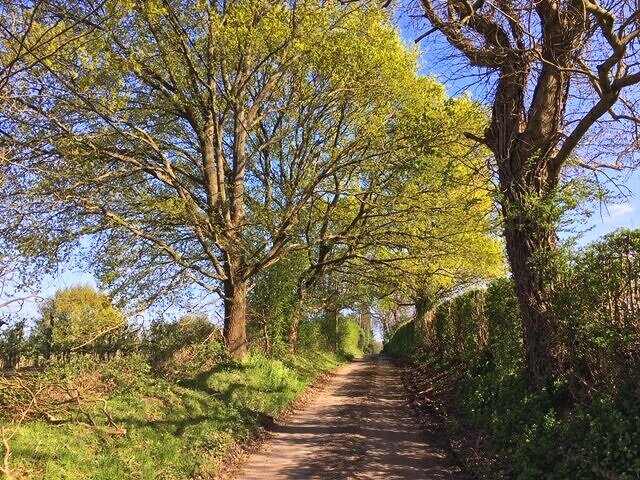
<point x="359" y="427"/>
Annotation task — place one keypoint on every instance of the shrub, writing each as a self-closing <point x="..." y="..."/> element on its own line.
<point x="187" y="346"/>
<point x="404" y="343"/>
<point x="350" y="337"/>
<point x="310" y="336"/>
<point x="599" y="303"/>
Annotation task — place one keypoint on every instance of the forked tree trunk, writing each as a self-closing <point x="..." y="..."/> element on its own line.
<point x="235" y="309"/>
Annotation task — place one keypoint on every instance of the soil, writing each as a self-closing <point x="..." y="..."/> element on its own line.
<point x="360" y="426"/>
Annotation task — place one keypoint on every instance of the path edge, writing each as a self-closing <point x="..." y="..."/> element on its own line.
<point x="237" y="454"/>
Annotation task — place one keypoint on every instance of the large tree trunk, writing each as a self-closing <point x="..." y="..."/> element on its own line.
<point x="524" y="148"/>
<point x="531" y="248"/>
<point x="235" y="309"/>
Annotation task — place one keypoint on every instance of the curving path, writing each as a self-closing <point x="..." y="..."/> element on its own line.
<point x="358" y="427"/>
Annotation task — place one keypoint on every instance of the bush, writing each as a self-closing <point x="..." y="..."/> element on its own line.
<point x="404" y="343"/>
<point x="310" y="336"/>
<point x="350" y="337"/>
<point x="599" y="304"/>
<point x="190" y="345"/>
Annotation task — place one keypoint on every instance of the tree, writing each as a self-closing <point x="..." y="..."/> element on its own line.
<point x="12" y="343"/>
<point x="561" y="70"/>
<point x="431" y="232"/>
<point x="189" y="140"/>
<point x="421" y="215"/>
<point x="276" y="303"/>
<point x="78" y="318"/>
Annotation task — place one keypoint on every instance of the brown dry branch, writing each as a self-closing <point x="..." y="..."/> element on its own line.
<point x="5" y="469"/>
<point x="57" y="403"/>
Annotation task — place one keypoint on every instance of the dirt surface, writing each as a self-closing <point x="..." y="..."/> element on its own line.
<point x="432" y="392"/>
<point x="359" y="427"/>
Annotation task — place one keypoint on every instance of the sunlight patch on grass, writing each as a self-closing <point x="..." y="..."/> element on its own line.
<point x="175" y="430"/>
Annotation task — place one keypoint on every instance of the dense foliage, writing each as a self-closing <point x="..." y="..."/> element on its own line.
<point x="586" y="424"/>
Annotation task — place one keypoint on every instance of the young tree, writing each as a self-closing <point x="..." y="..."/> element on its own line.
<point x="189" y="139"/>
<point x="561" y="69"/>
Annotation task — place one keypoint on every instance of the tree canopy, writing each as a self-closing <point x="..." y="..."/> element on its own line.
<point x="212" y="140"/>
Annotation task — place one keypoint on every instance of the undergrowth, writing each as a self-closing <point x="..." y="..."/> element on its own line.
<point x="586" y="424"/>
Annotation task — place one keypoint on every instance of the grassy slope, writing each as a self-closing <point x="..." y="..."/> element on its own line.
<point x="175" y="430"/>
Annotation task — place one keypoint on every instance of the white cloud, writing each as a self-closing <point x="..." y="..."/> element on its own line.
<point x="620" y="209"/>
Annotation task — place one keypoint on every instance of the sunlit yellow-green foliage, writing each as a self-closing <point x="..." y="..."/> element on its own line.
<point x="446" y="198"/>
<point x="433" y="230"/>
<point x="79" y="315"/>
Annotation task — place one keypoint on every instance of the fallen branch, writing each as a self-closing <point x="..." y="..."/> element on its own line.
<point x="6" y="467"/>
<point x="58" y="404"/>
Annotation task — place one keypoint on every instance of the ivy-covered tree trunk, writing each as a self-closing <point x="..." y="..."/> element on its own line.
<point x="423" y="305"/>
<point x="531" y="248"/>
<point x="525" y="150"/>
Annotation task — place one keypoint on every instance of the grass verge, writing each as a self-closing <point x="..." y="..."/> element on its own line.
<point x="175" y="429"/>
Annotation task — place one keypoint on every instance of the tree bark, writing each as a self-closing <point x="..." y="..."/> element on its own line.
<point x="531" y="246"/>
<point x="235" y="309"/>
<point x="297" y="317"/>
<point x="524" y="148"/>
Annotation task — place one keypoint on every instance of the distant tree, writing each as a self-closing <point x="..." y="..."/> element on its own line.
<point x="12" y="342"/>
<point x="563" y="76"/>
<point x="79" y="319"/>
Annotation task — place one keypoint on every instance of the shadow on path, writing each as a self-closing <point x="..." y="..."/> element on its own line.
<point x="360" y="427"/>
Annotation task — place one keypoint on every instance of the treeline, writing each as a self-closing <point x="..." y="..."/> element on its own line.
<point x="80" y="321"/>
<point x="584" y="425"/>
